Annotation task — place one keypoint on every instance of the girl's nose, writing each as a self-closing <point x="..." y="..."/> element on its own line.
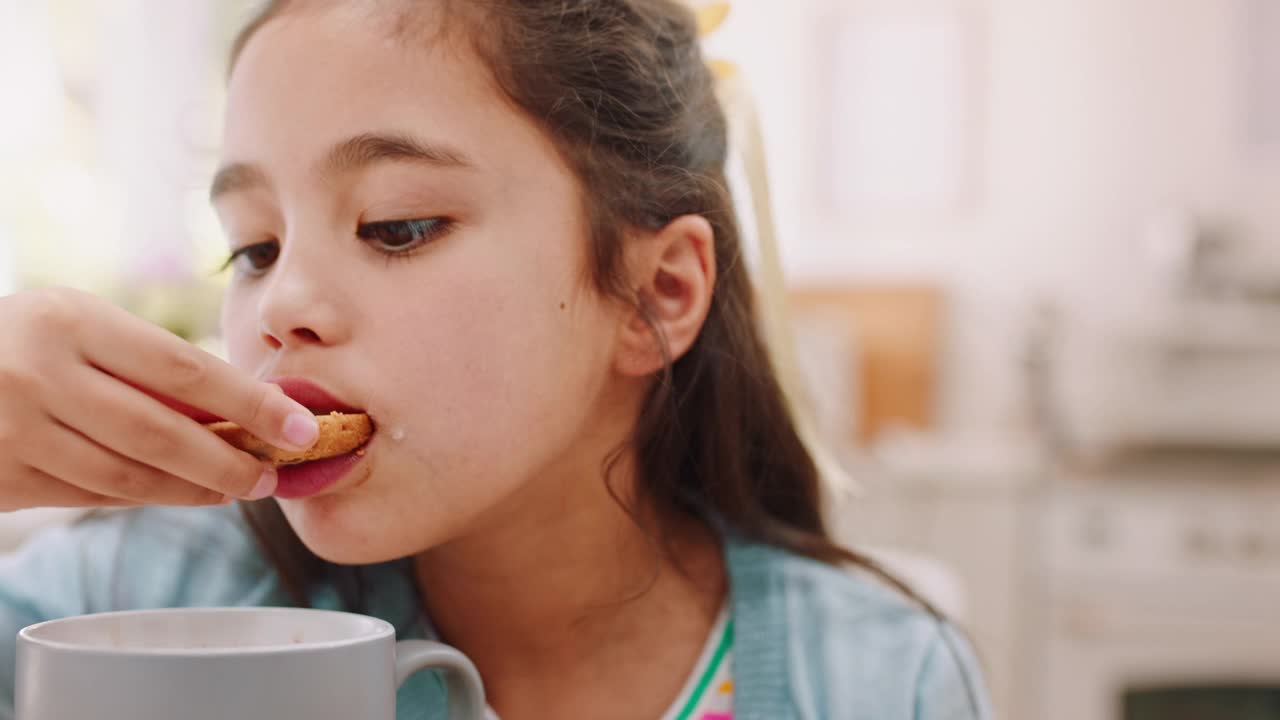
<point x="301" y="305"/>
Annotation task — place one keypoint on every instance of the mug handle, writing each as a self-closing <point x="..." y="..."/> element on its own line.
<point x="461" y="679"/>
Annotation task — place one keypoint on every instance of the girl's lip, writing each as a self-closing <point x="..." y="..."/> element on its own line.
<point x="312" y="396"/>
<point x="298" y="482"/>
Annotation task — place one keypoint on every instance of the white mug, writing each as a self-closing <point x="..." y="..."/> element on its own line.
<point x="218" y="663"/>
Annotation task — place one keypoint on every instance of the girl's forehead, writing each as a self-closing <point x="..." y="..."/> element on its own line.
<point x="415" y="24"/>
<point x="339" y="30"/>
<point x="312" y="82"/>
<point x="317" y="70"/>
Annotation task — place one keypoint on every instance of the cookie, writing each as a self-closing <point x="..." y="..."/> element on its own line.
<point x="340" y="433"/>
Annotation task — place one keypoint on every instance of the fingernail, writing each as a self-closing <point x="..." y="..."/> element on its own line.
<point x="266" y="485"/>
<point x="301" y="429"/>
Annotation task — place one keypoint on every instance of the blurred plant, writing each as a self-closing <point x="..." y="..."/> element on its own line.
<point x="188" y="310"/>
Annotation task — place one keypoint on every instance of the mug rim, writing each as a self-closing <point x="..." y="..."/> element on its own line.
<point x="381" y="630"/>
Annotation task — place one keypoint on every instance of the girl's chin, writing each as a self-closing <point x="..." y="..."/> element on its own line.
<point x="340" y="550"/>
<point x="345" y="531"/>
<point x="330" y="528"/>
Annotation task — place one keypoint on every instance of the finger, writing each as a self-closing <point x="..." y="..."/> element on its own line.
<point x="195" y="413"/>
<point x="149" y="356"/>
<point x="50" y="492"/>
<point x="77" y="460"/>
<point x="141" y="429"/>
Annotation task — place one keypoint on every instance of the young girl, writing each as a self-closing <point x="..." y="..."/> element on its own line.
<point x="501" y="229"/>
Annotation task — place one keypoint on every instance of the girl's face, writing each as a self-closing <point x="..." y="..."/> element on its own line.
<point x="416" y="247"/>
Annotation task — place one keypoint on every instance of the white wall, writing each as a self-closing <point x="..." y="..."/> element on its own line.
<point x="161" y="62"/>
<point x="1097" y="113"/>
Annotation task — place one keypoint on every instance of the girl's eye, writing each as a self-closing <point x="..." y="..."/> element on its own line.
<point x="254" y="259"/>
<point x="400" y="236"/>
<point x="393" y="237"/>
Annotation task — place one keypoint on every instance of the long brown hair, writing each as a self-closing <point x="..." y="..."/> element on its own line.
<point x="621" y="88"/>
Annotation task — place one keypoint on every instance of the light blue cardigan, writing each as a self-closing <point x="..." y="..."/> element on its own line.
<point x="811" y="642"/>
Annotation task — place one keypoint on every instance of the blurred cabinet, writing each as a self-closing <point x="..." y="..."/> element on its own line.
<point x="1160" y="583"/>
<point x="895" y="336"/>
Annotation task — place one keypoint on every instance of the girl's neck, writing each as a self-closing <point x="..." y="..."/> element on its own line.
<point x="563" y="587"/>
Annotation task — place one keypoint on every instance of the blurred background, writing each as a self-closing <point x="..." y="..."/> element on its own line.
<point x="1031" y="258"/>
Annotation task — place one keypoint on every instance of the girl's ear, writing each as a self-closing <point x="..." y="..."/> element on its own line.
<point x="674" y="273"/>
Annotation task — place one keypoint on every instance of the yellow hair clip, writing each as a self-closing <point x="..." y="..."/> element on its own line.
<point x="711" y="15"/>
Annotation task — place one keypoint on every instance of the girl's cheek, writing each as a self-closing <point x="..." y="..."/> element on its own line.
<point x="237" y="329"/>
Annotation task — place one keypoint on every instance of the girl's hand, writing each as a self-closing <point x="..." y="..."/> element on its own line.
<point x="98" y="408"/>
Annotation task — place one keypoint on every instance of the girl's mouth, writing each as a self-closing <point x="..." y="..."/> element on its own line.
<point x="308" y="479"/>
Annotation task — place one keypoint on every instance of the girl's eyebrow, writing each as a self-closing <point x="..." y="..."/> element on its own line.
<point x="370" y="148"/>
<point x="237" y="177"/>
<point x="352" y="154"/>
